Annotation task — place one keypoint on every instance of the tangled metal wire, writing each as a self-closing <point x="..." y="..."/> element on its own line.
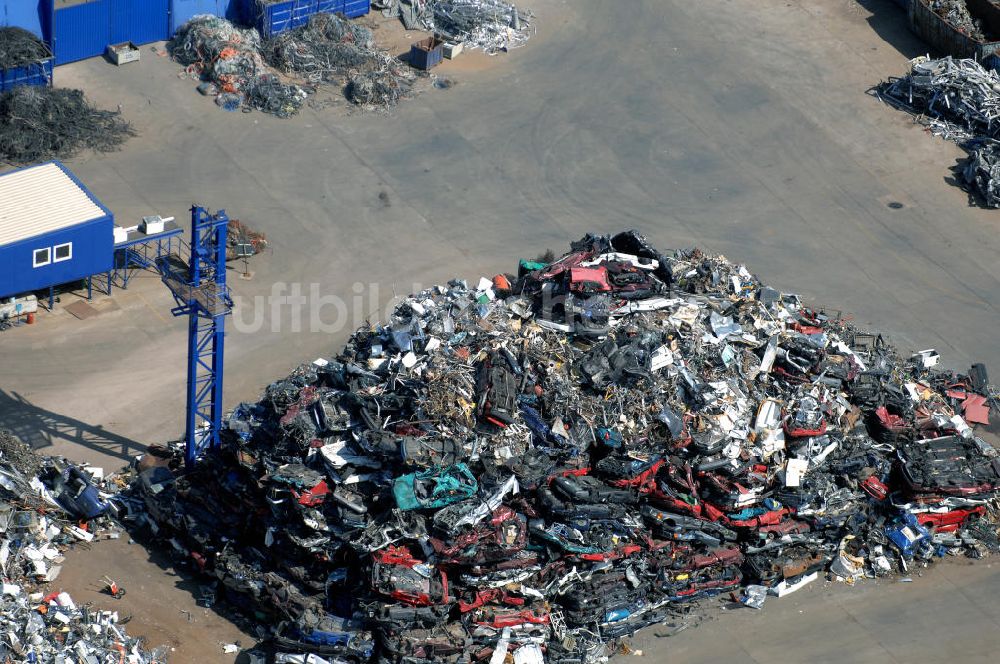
<point x="323" y="49"/>
<point x="329" y="48"/>
<point x="215" y="50"/>
<point x="19" y="47"/>
<point x="39" y="123"/>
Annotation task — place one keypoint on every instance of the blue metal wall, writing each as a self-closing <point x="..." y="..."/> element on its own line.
<point x="84" y="30"/>
<point x="277" y="17"/>
<point x="182" y="10"/>
<point x="33" y="15"/>
<point x="93" y="251"/>
<point x="356" y="8"/>
<point x="37" y="73"/>
<point x="139" y="21"/>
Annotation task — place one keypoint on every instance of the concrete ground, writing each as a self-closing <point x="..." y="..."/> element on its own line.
<point x="743" y="128"/>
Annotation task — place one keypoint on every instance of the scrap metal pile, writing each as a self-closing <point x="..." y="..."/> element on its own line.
<point x="39" y="123"/>
<point x="332" y="49"/>
<point x="42" y="501"/>
<point x="958" y="100"/>
<point x="956" y="12"/>
<point x="229" y="60"/>
<point x="490" y="25"/>
<point x="537" y="466"/>
<point x="18" y="47"/>
<point x="241" y="71"/>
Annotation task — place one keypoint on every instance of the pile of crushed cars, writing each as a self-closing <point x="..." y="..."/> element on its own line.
<point x="47" y="505"/>
<point x="540" y="464"/>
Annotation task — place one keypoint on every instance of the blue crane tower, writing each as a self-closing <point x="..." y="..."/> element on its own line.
<point x="199" y="288"/>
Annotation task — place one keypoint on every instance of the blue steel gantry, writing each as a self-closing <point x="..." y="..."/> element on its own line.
<point x="199" y="288"/>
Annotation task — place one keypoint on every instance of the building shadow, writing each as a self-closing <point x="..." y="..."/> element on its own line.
<point x="890" y="22"/>
<point x="40" y="428"/>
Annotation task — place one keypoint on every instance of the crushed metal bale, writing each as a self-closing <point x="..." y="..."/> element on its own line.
<point x="958" y="100"/>
<point x="539" y="464"/>
<point x="40" y="123"/>
<point x="46" y="506"/>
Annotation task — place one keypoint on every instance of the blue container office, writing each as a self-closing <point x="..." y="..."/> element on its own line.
<point x="53" y="230"/>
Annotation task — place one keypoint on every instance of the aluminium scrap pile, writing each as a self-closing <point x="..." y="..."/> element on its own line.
<point x="958" y="100"/>
<point x="982" y="170"/>
<point x="537" y="466"/>
<point x="491" y="25"/>
<point x="42" y="501"/>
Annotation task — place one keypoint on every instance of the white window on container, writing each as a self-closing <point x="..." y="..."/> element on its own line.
<point x="41" y="257"/>
<point x="62" y="252"/>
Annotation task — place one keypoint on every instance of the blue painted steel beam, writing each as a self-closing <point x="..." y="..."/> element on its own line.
<point x="206" y="279"/>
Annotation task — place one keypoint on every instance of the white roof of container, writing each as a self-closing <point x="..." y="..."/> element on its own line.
<point x="41" y="199"/>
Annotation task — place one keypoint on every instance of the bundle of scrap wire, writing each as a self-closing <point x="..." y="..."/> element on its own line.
<point x="215" y="50"/>
<point x="324" y="49"/>
<point x="18" y="47"/>
<point x="43" y="123"/>
<point x="492" y="25"/>
<point x="377" y="88"/>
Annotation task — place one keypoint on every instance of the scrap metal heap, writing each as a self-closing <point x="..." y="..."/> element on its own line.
<point x="241" y="70"/>
<point x="540" y="465"/>
<point x="47" y="505"/>
<point x="230" y="61"/>
<point x="493" y="26"/>
<point x="956" y="12"/>
<point x="39" y="123"/>
<point x="958" y="100"/>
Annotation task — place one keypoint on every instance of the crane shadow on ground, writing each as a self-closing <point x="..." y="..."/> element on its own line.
<point x="41" y="428"/>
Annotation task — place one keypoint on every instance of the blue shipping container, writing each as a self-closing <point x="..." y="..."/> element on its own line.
<point x="356" y="8"/>
<point x="181" y="11"/>
<point x="275" y="18"/>
<point x="36" y="73"/>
